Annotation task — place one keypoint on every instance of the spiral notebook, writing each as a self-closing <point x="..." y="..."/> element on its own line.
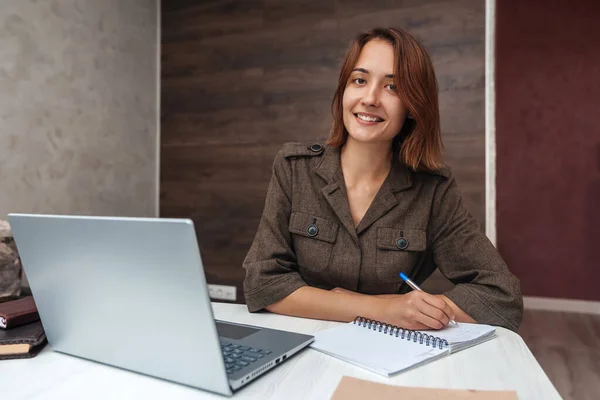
<point x="387" y="349"/>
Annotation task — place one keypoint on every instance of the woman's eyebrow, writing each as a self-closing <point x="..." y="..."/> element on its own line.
<point x="366" y="72"/>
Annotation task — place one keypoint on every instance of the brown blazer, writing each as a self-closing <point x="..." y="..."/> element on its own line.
<point x="416" y="223"/>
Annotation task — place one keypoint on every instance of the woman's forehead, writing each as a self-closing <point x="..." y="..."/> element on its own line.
<point x="377" y="57"/>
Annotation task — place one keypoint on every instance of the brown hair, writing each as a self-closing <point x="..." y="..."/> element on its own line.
<point x="419" y="142"/>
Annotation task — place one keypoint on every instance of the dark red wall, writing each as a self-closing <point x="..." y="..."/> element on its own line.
<point x="548" y="145"/>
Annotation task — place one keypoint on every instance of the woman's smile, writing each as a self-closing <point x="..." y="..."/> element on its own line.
<point x="368" y="119"/>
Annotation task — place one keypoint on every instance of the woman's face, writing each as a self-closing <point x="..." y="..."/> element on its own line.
<point x="373" y="111"/>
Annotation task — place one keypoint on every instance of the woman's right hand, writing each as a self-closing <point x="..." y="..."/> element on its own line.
<point x="416" y="310"/>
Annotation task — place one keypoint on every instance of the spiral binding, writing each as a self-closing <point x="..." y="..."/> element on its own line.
<point x="407" y="334"/>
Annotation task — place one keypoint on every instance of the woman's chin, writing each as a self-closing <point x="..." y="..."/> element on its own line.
<point x="368" y="137"/>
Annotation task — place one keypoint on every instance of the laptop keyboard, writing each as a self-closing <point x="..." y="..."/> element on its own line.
<point x="238" y="357"/>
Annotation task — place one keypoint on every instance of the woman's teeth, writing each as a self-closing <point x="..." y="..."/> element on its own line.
<point x="368" y="119"/>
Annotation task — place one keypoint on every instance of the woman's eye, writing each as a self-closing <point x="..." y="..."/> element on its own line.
<point x="359" y="81"/>
<point x="391" y="86"/>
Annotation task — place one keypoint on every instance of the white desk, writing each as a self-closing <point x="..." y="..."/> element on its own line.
<point x="501" y="363"/>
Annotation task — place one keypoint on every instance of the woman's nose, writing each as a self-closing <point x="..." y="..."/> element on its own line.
<point x="371" y="97"/>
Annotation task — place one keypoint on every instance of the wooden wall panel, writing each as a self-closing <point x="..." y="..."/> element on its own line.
<point x="240" y="78"/>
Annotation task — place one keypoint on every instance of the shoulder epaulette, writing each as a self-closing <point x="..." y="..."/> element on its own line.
<point x="444" y="172"/>
<point x="302" y="149"/>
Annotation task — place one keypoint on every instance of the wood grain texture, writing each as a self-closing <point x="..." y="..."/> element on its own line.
<point x="240" y="78"/>
<point x="567" y="346"/>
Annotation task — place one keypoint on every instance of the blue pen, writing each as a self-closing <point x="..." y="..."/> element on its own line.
<point x="416" y="287"/>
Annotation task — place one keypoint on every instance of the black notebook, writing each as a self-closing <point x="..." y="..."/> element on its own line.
<point x="23" y="341"/>
<point x="387" y="349"/>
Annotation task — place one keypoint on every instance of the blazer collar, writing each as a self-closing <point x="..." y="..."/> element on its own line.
<point x="329" y="169"/>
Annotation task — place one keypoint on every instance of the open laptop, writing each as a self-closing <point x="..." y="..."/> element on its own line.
<point x="131" y="292"/>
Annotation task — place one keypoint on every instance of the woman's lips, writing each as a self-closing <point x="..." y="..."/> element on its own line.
<point x="367" y="119"/>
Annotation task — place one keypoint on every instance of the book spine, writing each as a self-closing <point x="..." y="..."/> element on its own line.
<point x="18" y="320"/>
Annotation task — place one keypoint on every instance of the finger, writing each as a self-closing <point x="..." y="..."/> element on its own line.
<point x="439" y="304"/>
<point x="434" y="313"/>
<point x="417" y="326"/>
<point x="430" y="323"/>
<point x="433" y="300"/>
<point x="411" y="324"/>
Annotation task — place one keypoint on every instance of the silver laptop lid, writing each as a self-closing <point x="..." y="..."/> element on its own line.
<point x="129" y="292"/>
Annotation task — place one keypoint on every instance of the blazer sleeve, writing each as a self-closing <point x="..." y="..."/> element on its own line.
<point x="271" y="265"/>
<point x="485" y="288"/>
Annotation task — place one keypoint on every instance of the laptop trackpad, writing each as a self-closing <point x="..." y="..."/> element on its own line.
<point x="234" y="332"/>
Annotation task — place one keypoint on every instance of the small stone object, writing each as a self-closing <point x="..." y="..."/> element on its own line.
<point x="10" y="264"/>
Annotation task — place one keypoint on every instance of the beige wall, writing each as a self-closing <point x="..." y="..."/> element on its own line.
<point x="78" y="107"/>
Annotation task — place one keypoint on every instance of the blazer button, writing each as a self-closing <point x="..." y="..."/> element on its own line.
<point x="312" y="230"/>
<point x="316" y="147"/>
<point x="402" y="243"/>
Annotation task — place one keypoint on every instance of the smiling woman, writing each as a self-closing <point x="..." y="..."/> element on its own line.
<point x="373" y="72"/>
<point x="342" y="221"/>
<point x="371" y="107"/>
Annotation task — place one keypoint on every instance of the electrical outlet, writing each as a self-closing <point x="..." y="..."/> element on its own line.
<point x="222" y="292"/>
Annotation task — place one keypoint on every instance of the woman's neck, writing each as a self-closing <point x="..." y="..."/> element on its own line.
<point x="365" y="162"/>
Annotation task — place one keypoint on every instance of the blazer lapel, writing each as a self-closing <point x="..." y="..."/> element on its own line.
<point x="330" y="170"/>
<point x="335" y="191"/>
<point x="397" y="180"/>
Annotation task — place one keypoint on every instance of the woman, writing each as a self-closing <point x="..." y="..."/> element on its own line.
<point x="342" y="221"/>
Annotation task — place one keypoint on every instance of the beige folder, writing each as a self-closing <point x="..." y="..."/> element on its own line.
<point x="358" y="389"/>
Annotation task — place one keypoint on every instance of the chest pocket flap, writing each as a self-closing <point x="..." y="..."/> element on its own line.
<point x="398" y="250"/>
<point x="313" y="239"/>
<point x="313" y="227"/>
<point x="401" y="239"/>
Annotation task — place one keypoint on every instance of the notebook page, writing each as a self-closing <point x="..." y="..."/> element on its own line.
<point x="465" y="335"/>
<point x="381" y="353"/>
<point x="464" y="332"/>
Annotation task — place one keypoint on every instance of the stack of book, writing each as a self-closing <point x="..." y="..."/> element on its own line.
<point x="21" y="331"/>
